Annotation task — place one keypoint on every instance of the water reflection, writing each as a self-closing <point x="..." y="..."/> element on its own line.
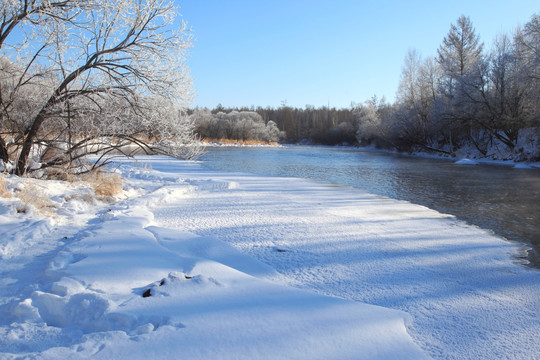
<point x="500" y="198"/>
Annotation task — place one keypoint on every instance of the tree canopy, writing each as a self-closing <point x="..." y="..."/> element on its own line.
<point x="91" y="77"/>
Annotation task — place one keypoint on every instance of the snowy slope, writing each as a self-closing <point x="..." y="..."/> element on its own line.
<point x="236" y="266"/>
<point x="109" y="281"/>
<point x="465" y="288"/>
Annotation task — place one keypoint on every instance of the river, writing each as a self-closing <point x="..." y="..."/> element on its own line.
<point x="501" y="198"/>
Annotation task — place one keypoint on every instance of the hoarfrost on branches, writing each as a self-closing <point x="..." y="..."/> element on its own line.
<point x="92" y="77"/>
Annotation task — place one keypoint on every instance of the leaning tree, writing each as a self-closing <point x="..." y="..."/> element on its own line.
<point x="92" y="77"/>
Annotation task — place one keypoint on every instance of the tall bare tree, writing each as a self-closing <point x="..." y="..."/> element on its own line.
<point x="458" y="56"/>
<point x="461" y="49"/>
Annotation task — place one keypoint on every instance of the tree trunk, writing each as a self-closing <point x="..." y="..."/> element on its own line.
<point x="27" y="145"/>
<point x="3" y="151"/>
<point x="3" y="148"/>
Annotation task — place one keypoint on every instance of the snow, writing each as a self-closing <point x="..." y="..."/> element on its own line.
<point x="522" y="166"/>
<point x="194" y="263"/>
<point x="466" y="161"/>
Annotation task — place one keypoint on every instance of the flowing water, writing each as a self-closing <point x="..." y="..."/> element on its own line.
<point x="496" y="197"/>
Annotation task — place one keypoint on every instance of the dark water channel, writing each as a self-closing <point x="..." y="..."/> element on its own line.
<point x="496" y="197"/>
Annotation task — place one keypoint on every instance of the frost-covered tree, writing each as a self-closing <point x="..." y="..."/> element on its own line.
<point x="235" y="125"/>
<point x="459" y="57"/>
<point x="91" y="77"/>
<point x="460" y="51"/>
<point x="528" y="51"/>
<point x="409" y="84"/>
<point x="415" y="95"/>
<point x="502" y="97"/>
<point x="464" y="97"/>
<point x="374" y="125"/>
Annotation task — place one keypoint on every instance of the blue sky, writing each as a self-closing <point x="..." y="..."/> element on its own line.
<point x="315" y="52"/>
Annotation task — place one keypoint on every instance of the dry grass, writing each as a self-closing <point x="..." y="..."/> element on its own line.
<point x="4" y="192"/>
<point x="106" y="185"/>
<point x="101" y="185"/>
<point x="238" y="142"/>
<point x="57" y="174"/>
<point x="32" y="196"/>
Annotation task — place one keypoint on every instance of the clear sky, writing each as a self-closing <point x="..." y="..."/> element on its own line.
<point x="320" y="52"/>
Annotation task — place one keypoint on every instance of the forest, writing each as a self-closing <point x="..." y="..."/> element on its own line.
<point x="465" y="96"/>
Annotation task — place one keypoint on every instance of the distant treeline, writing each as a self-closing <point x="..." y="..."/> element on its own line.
<point x="287" y="124"/>
<point x="465" y="97"/>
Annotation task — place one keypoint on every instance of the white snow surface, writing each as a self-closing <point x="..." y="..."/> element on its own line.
<point x="239" y="266"/>
<point x="466" y="161"/>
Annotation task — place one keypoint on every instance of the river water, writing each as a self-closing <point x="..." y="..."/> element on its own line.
<point x="496" y="197"/>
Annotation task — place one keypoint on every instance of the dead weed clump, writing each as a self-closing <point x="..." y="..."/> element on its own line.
<point x="4" y="192"/>
<point x="29" y="196"/>
<point x="106" y="185"/>
<point x="32" y="196"/>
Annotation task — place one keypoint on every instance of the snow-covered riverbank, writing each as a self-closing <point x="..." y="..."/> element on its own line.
<point x="194" y="263"/>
